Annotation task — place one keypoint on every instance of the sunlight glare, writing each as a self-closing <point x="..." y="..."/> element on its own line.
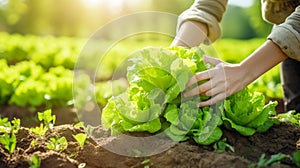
<point x="116" y="5"/>
<point x="91" y="3"/>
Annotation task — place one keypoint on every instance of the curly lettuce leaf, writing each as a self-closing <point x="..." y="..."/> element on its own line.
<point x="247" y="113"/>
<point x="122" y="114"/>
<point x="208" y="130"/>
<point x="244" y="106"/>
<point x="190" y="121"/>
<point x="243" y="130"/>
<point x="192" y="55"/>
<point x="214" y="137"/>
<point x="152" y="68"/>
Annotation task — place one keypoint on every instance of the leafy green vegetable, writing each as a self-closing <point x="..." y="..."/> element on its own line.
<point x="48" y="122"/>
<point x="80" y="138"/>
<point x="5" y="125"/>
<point x="57" y="143"/>
<point x="16" y="124"/>
<point x="28" y="84"/>
<point x="157" y="77"/>
<point x="47" y="117"/>
<point x="221" y="146"/>
<point x="9" y="79"/>
<point x="29" y="92"/>
<point x="128" y="116"/>
<point x="190" y="120"/>
<point x="28" y="69"/>
<point x="9" y="141"/>
<point x="39" y="130"/>
<point x="58" y="82"/>
<point x="153" y="101"/>
<point x="290" y="116"/>
<point x="8" y="130"/>
<point x="263" y="162"/>
<point x="247" y="113"/>
<point x="35" y="162"/>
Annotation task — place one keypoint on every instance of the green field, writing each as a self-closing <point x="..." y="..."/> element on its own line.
<point x="40" y="68"/>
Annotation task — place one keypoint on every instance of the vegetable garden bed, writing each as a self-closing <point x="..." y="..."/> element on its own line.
<point x="283" y="138"/>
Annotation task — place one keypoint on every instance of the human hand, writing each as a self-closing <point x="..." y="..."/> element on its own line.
<point x="223" y="80"/>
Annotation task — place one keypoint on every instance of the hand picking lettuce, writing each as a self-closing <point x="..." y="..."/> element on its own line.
<point x="154" y="103"/>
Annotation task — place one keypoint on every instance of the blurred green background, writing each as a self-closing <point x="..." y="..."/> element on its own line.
<point x="81" y="18"/>
<point x="41" y="40"/>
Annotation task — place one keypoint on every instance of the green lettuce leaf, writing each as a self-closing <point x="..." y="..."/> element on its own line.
<point x="247" y="113"/>
<point x="244" y="106"/>
<point x="191" y="121"/>
<point x="122" y="115"/>
<point x="214" y="137"/>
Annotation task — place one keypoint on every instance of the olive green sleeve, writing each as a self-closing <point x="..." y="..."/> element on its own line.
<point x="287" y="35"/>
<point x="209" y="12"/>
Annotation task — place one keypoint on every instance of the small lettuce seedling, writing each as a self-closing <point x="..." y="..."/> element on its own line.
<point x="16" y="124"/>
<point x="290" y="116"/>
<point x="40" y="131"/>
<point x="48" y="122"/>
<point x="57" y="144"/>
<point x="47" y="117"/>
<point x="221" y="146"/>
<point x="263" y="162"/>
<point x="9" y="129"/>
<point x="7" y="126"/>
<point x="9" y="141"/>
<point x="35" y="163"/>
<point x="80" y="138"/>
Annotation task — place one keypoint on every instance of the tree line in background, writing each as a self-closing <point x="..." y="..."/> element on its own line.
<point x="245" y="23"/>
<point x="76" y="18"/>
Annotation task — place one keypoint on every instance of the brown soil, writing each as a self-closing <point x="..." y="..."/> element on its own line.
<point x="283" y="138"/>
<point x="280" y="107"/>
<point x="279" y="139"/>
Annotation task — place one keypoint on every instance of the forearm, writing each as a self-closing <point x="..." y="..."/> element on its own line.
<point x="190" y="34"/>
<point x="260" y="61"/>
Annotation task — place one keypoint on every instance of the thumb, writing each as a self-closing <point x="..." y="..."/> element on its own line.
<point x="211" y="60"/>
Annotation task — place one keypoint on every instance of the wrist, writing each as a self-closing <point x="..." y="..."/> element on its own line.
<point x="247" y="74"/>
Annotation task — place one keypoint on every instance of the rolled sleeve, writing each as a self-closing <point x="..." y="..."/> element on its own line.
<point x="287" y="35"/>
<point x="209" y="12"/>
